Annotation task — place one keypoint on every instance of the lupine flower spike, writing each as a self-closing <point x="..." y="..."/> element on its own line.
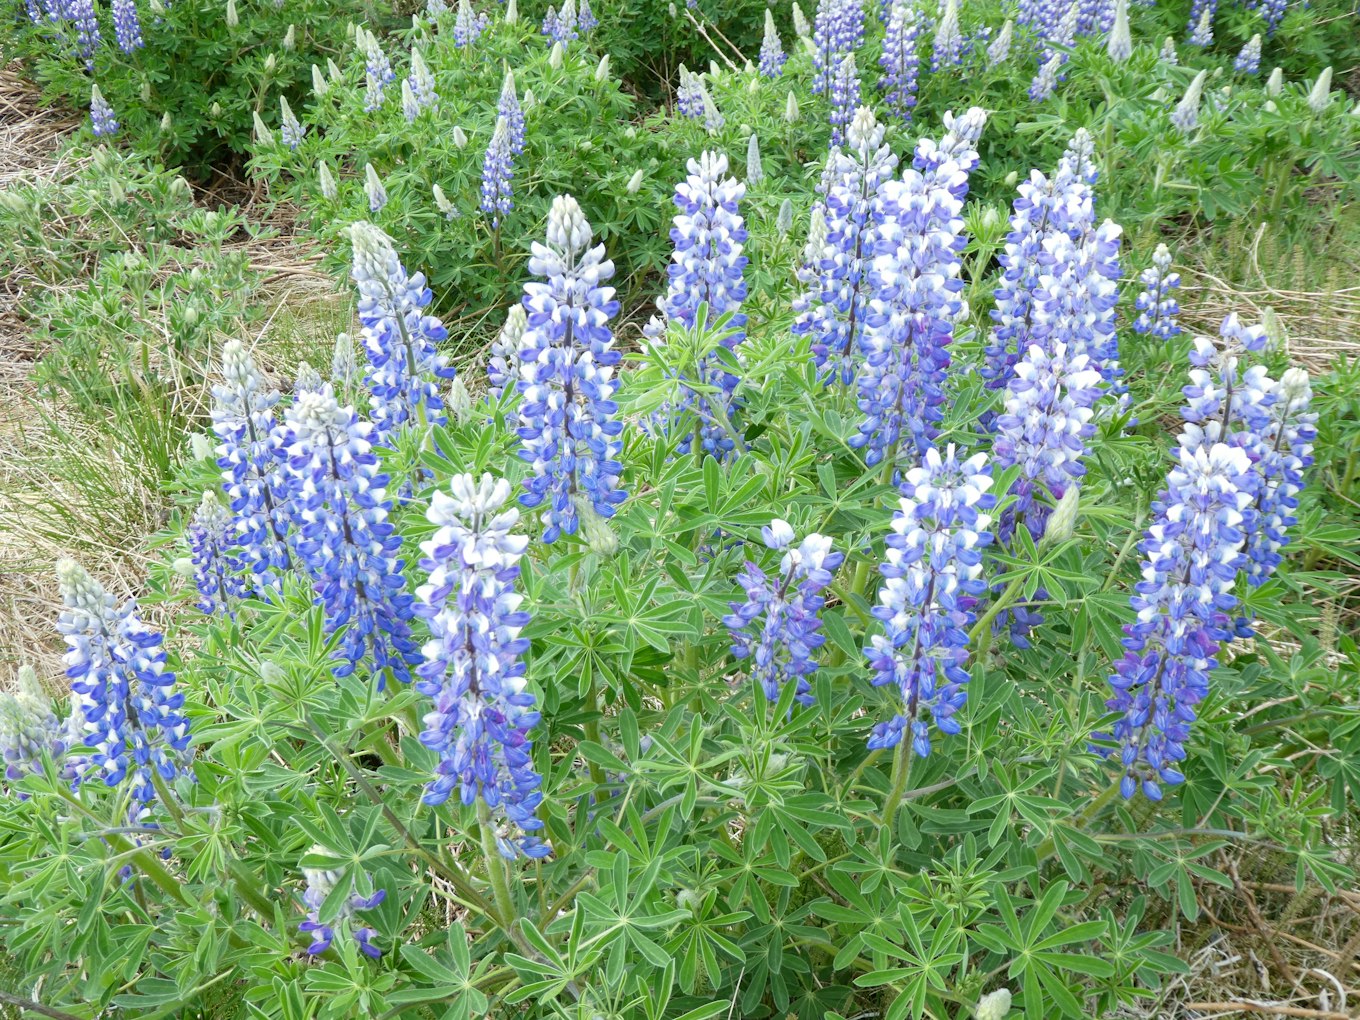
<point x="778" y="626"/>
<point x="497" y="172"/>
<point x="844" y="98"/>
<point x="28" y="727"/>
<point x="1157" y="305"/>
<point x="422" y="83"/>
<point x="483" y="713"/>
<point x="215" y="558"/>
<point x="502" y="368"/>
<point x="468" y="25"/>
<point x="373" y="188"/>
<point x="508" y="107"/>
<point x="771" y="50"/>
<point x="290" y="130"/>
<point x="131" y="716"/>
<point x="405" y="367"/>
<point x="1185" y="118"/>
<point x="1120" y="46"/>
<point x="1248" y="60"/>
<point x="101" y="114"/>
<point x="932" y="578"/>
<point x="567" y="421"/>
<point x="126" y="26"/>
<point x="345" y="540"/>
<point x="947" y="49"/>
<point x="899" y="60"/>
<point x="321" y="882"/>
<point x="1000" y="49"/>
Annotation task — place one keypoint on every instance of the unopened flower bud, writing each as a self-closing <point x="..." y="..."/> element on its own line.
<point x="290" y="38"/>
<point x="460" y="137"/>
<point x="784" y="220"/>
<point x="791" y="109"/>
<point x="635" y="182"/>
<point x="555" y="56"/>
<point x="183" y="566"/>
<point x="602" y="69"/>
<point x="166" y="122"/>
<point x="1063" y="521"/>
<point x="233" y="18"/>
<point x="201" y="446"/>
<point x="994" y="1005"/>
<point x="460" y="401"/>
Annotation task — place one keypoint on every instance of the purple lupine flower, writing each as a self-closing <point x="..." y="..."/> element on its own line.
<point x="1120" y="45"/>
<point x="101" y="114"/>
<point x="932" y="578"/>
<point x="585" y="17"/>
<point x="473" y="670"/>
<point x="502" y="365"/>
<point x="82" y="12"/>
<point x="497" y="171"/>
<point x="844" y="98"/>
<point x="321" y="882"/>
<point x="826" y="55"/>
<point x="706" y="269"/>
<point x="28" y="727"/>
<point x="771" y="49"/>
<point x="1192" y="553"/>
<point x="421" y="83"/>
<point x="899" y="60"/>
<point x="1185" y="118"/>
<point x="1078" y="298"/>
<point x="1157" y="305"/>
<point x="1199" y="23"/>
<point x="378" y="73"/>
<point x="468" y="25"/>
<point x="1000" y="49"/>
<point x="947" y="48"/>
<point x="834" y="309"/>
<point x="1044" y="430"/>
<point x="131" y="716"/>
<point x="689" y="97"/>
<point x="549" y="26"/>
<point x="567" y="419"/>
<point x="405" y="368"/>
<point x="1248" y="60"/>
<point x="248" y="455"/>
<point x="127" y="28"/>
<point x="1272" y="11"/>
<point x="212" y="545"/>
<point x="562" y="26"/>
<point x="1286" y="445"/>
<point x="508" y="107"/>
<point x="374" y="189"/>
<point x="345" y="540"/>
<point x="778" y="626"/>
<point x="290" y="130"/>
<point x="916" y="240"/>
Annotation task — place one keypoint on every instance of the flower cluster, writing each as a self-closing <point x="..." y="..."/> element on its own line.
<point x="344" y="538"/>
<point x="1185" y="117"/>
<point x="28" y="727"/>
<point x="215" y="559"/>
<point x="497" y="172"/>
<point x="771" y="49"/>
<point x="932" y="577"/>
<point x="468" y="25"/>
<point x="1248" y="60"/>
<point x="248" y="454"/>
<point x="102" y="121"/>
<point x="835" y="308"/>
<point x="378" y="73"/>
<point x="405" y="368"/>
<point x="321" y="882"/>
<point x="1192" y="553"/>
<point x="483" y="713"/>
<point x="1157" y="305"/>
<point x="567" y="424"/>
<point x="916" y="240"/>
<point x="947" y="47"/>
<point x="501" y="367"/>
<point x="778" y="627"/>
<point x="508" y="106"/>
<point x="131" y="716"/>
<point x="561" y="26"/>
<point x="421" y="85"/>
<point x="844" y="98"/>
<point x="127" y="29"/>
<point x="899" y="60"/>
<point x="291" y="131"/>
<point x="706" y="270"/>
<point x="838" y="29"/>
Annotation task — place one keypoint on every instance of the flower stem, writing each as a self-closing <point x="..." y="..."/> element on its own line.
<point x="495" y="865"/>
<point x="901" y="773"/>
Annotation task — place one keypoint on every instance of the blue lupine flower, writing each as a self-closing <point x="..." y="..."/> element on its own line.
<point x="378" y="73"/>
<point x="290" y="131"/>
<point x="131" y="716"/>
<point x="374" y="189"/>
<point x="771" y="49"/>
<point x="1203" y="34"/>
<point x="567" y="426"/>
<point x="689" y="97"/>
<point x="1286" y="447"/>
<point x="1167" y="54"/>
<point x="405" y="367"/>
<point x="917" y="238"/>
<point x="468" y="26"/>
<point x="1157" y="305"/>
<point x="1201" y="18"/>
<point x="421" y="82"/>
<point x="345" y="540"/>
<point x="82" y="12"/>
<point x="127" y="28"/>
<point x="217" y="562"/>
<point x="1248" y="59"/>
<point x="1000" y="49"/>
<point x="497" y="172"/>
<point x="834" y="309"/>
<point x="585" y="17"/>
<point x="101" y="114"/>
<point x="1120" y="46"/>
<point x="778" y="626"/>
<point x="932" y="578"/>
<point x="1273" y="12"/>
<point x="28" y="727"/>
<point x="899" y="60"/>
<point x="1078" y="295"/>
<point x="1192" y="553"/>
<point x="1041" y="88"/>
<point x="1185" y="117"/>
<point x="561" y="26"/>
<point x="947" y="47"/>
<point x="706" y="268"/>
<point x="509" y="108"/>
<point x="844" y="98"/>
<point x="410" y="106"/>
<point x="483" y="713"/>
<point x="320" y="884"/>
<point x="826" y="40"/>
<point x="502" y="366"/>
<point x="249" y="457"/>
<point x="549" y="26"/>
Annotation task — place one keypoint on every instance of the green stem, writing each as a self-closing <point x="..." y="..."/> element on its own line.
<point x="495" y="865"/>
<point x="900" y="775"/>
<point x="147" y="862"/>
<point x="592" y="728"/>
<point x="984" y="624"/>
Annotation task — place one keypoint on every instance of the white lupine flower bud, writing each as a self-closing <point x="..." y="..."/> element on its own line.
<point x="817" y="234"/>
<point x="602" y="69"/>
<point x="373" y="188"/>
<point x="511" y="12"/>
<point x="567" y="226"/>
<point x="166" y="122"/>
<point x="1120" y="46"/>
<point x="1275" y="83"/>
<point x="1270" y="106"/>
<point x="329" y="191"/>
<point x="443" y="204"/>
<point x="1321" y="93"/>
<point x="529" y="101"/>
<point x="320" y="86"/>
<point x="145" y="92"/>
<point x="201" y="447"/>
<point x="184" y="567"/>
<point x="215" y="111"/>
<point x="635" y="182"/>
<point x="714" y="71"/>
<point x="1063" y="521"/>
<point x="791" y="109"/>
<point x="342" y="359"/>
<point x="755" y="173"/>
<point x="674" y="11"/>
<point x="308" y="379"/>
<point x="233" y="18"/>
<point x="1296" y="386"/>
<point x="555" y="57"/>
<point x="157" y="8"/>
<point x="994" y="1005"/>
<point x="753" y="86"/>
<point x="800" y="23"/>
<point x="600" y="537"/>
<point x="290" y="38"/>
<point x="460" y="137"/>
<point x="263" y="136"/>
<point x="460" y="401"/>
<point x="783" y="222"/>
<point x="333" y="69"/>
<point x="271" y="63"/>
<point x="272" y="673"/>
<point x="1275" y="331"/>
<point x="1011" y="179"/>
